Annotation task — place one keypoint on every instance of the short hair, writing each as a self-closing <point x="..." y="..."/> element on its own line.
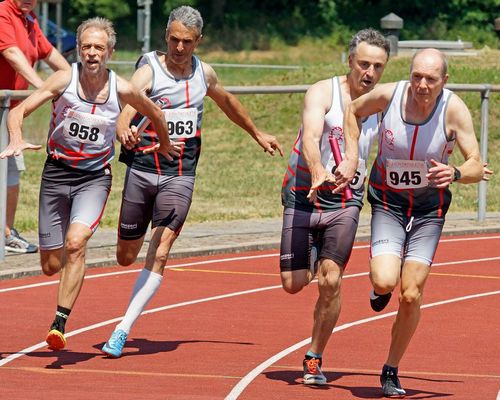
<point x="187" y="16"/>
<point x="371" y="37"/>
<point x="444" y="60"/>
<point x="100" y="23"/>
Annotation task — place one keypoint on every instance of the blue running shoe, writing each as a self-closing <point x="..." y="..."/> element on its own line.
<point x="114" y="346"/>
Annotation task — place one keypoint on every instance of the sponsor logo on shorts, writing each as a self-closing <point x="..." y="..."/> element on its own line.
<point x="44" y="235"/>
<point x="128" y="226"/>
<point x="288" y="256"/>
<point x="383" y="241"/>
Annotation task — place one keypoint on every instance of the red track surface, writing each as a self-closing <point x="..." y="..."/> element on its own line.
<point x="206" y="349"/>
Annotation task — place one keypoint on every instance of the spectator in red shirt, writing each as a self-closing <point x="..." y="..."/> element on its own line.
<point x="22" y="43"/>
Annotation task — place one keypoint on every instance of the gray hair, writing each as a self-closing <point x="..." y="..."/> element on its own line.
<point x="371" y="37"/>
<point x="187" y="16"/>
<point x="99" y="23"/>
<point x="444" y="60"/>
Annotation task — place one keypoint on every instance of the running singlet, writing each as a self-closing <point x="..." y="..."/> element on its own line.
<point x="183" y="109"/>
<point x="297" y="180"/>
<point x="398" y="178"/>
<point x="82" y="133"/>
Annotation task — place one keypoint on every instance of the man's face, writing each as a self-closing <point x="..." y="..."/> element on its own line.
<point x="93" y="50"/>
<point x="26" y="6"/>
<point x="426" y="78"/>
<point x="367" y="65"/>
<point x="181" y="42"/>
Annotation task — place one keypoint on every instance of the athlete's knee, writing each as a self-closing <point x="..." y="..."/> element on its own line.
<point x="51" y="264"/>
<point x="75" y="244"/>
<point x="294" y="281"/>
<point x="411" y="295"/>
<point x="291" y="286"/>
<point x="125" y="259"/>
<point x="329" y="280"/>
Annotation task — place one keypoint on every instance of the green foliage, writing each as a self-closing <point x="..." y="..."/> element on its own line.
<point x="110" y="9"/>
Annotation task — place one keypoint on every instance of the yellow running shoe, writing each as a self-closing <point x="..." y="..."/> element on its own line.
<point x="55" y="340"/>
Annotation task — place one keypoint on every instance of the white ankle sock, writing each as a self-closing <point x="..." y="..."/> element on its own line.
<point x="145" y="287"/>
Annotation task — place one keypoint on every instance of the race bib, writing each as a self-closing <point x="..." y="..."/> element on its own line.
<point x="359" y="177"/>
<point x="181" y="122"/>
<point x="406" y="174"/>
<point x="83" y="127"/>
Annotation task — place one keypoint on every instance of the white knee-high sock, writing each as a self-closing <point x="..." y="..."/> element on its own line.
<point x="145" y="287"/>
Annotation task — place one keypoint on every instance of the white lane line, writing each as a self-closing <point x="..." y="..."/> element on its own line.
<point x="247" y="379"/>
<point x="37" y="346"/>
<point x="103" y="275"/>
<point x="219" y="260"/>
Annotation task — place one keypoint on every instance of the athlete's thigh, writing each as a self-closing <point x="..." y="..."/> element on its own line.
<point x="296" y="240"/>
<point x="138" y="196"/>
<point x="388" y="235"/>
<point x="172" y="202"/>
<point x="53" y="214"/>
<point x="89" y="200"/>
<point x="423" y="239"/>
<point x="339" y="231"/>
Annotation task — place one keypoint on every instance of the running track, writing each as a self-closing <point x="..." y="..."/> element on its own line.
<point x="221" y="328"/>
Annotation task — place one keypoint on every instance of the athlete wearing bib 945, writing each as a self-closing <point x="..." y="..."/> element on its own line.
<point x="159" y="190"/>
<point x="76" y="178"/>
<point x="319" y="225"/>
<point x="409" y="187"/>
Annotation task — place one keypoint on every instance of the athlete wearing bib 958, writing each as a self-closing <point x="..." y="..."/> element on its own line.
<point x="76" y="178"/>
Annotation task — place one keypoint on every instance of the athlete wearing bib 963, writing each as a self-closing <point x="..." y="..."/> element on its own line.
<point x="76" y="178"/>
<point x="409" y="187"/>
<point x="319" y="225"/>
<point x="159" y="190"/>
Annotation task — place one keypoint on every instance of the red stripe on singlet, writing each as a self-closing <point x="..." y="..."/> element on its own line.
<point x="412" y="153"/>
<point x="182" y="150"/>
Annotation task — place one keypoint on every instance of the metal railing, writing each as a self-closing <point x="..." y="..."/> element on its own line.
<point x="6" y="96"/>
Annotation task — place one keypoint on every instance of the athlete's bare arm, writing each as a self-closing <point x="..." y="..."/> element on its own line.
<point x="51" y="88"/>
<point x="235" y="111"/>
<point x="370" y="103"/>
<point x="317" y="102"/>
<point x="459" y="124"/>
<point x="133" y="94"/>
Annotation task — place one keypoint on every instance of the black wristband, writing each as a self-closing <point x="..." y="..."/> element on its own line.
<point x="457" y="174"/>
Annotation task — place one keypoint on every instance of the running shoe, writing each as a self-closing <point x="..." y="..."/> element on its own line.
<point x="56" y="340"/>
<point x="17" y="244"/>
<point x="379" y="302"/>
<point x="391" y="387"/>
<point x="114" y="346"/>
<point x="312" y="371"/>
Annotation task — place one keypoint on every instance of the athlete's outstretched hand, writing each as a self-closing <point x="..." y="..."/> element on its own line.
<point x="486" y="172"/>
<point x="317" y="179"/>
<point x="15" y="149"/>
<point x="269" y="143"/>
<point x="170" y="151"/>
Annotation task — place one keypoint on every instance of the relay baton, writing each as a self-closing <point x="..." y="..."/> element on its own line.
<point x="145" y="121"/>
<point x="337" y="156"/>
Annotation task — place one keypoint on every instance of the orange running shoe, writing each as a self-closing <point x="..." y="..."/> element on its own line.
<point x="312" y="371"/>
<point x="55" y="340"/>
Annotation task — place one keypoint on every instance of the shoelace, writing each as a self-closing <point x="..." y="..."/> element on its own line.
<point x="312" y="365"/>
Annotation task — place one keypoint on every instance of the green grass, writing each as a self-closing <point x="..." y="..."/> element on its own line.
<point x="236" y="179"/>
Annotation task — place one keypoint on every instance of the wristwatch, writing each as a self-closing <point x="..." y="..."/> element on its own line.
<point x="457" y="174"/>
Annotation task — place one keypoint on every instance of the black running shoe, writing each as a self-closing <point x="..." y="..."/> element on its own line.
<point x="378" y="302"/>
<point x="391" y="387"/>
